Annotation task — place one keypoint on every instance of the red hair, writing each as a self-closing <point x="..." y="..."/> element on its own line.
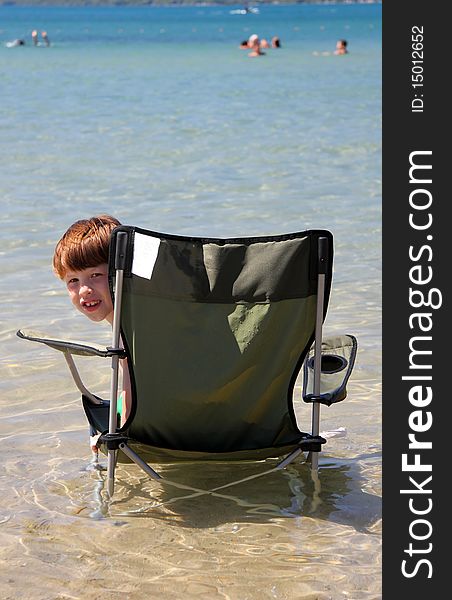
<point x="85" y="244"/>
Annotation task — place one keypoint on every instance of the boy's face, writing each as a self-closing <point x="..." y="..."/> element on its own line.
<point x="90" y="293"/>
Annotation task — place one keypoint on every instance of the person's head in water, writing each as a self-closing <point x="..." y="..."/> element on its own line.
<point x="254" y="45"/>
<point x="341" y="47"/>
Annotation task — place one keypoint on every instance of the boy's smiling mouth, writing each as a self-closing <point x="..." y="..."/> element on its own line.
<point x="91" y="303"/>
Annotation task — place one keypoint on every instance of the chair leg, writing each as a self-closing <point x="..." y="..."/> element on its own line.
<point x="289" y="458"/>
<point x="322" y="254"/>
<point x="139" y="461"/>
<point x="314" y="460"/>
<point x="115" y="341"/>
<point x="111" y="465"/>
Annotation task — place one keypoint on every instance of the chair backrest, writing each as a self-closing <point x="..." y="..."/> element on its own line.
<point x="216" y="331"/>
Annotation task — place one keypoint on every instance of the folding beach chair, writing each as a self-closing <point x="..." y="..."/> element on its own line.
<point x="215" y="332"/>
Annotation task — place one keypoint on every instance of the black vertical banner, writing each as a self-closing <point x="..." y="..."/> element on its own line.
<point x="417" y="238"/>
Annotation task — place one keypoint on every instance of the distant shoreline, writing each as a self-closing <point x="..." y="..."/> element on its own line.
<point x="174" y="3"/>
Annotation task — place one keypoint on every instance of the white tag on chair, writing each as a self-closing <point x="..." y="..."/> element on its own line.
<point x="145" y="251"/>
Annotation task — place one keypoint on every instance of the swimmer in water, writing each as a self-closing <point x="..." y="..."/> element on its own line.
<point x="341" y="47"/>
<point x="255" y="47"/>
<point x="15" y="43"/>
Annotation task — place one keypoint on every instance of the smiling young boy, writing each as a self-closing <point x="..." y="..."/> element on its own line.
<point x="81" y="261"/>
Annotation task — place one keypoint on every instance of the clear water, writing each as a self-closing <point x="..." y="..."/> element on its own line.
<point x="156" y="116"/>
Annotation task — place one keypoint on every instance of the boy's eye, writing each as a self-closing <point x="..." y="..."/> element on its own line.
<point x="73" y="280"/>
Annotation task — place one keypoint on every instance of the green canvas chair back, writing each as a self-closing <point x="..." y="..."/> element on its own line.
<point x="216" y="331"/>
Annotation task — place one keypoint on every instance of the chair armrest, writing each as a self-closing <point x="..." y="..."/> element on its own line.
<point x="71" y="346"/>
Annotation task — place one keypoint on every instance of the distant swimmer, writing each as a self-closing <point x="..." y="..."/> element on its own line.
<point x="254" y="44"/>
<point x="264" y="43"/>
<point x="341" y="47"/>
<point x="35" y="38"/>
<point x="276" y="43"/>
<point x="244" y="45"/>
<point x="15" y="43"/>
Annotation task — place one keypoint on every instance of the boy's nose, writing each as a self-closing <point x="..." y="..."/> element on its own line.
<point x="85" y="289"/>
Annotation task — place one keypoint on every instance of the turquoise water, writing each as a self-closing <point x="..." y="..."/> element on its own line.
<point x="156" y="116"/>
